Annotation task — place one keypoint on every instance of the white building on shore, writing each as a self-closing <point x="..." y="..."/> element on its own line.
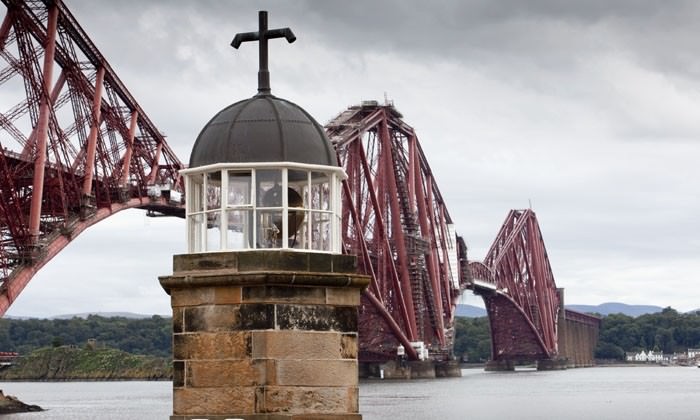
<point x="647" y="357"/>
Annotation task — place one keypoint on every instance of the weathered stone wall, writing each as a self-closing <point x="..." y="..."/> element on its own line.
<point x="580" y="341"/>
<point x="265" y="335"/>
<point x="577" y="335"/>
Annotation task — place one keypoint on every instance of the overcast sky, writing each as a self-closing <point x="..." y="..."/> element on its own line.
<point x="589" y="111"/>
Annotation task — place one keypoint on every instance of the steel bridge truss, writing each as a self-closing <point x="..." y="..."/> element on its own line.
<point x="396" y="222"/>
<point x="517" y="285"/>
<point x="75" y="145"/>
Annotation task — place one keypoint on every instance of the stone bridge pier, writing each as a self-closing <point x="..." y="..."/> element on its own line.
<point x="263" y="335"/>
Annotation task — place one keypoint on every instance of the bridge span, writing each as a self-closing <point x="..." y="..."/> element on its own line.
<point x="76" y="147"/>
<point x="526" y="311"/>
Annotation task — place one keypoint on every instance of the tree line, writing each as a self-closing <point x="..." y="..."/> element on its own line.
<point x="667" y="331"/>
<point x="147" y="336"/>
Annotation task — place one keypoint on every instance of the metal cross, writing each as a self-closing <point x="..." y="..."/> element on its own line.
<point x="263" y="35"/>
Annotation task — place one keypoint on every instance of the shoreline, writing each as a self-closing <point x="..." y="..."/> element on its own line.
<point x="87" y="380"/>
<point x="10" y="404"/>
<point x="463" y="366"/>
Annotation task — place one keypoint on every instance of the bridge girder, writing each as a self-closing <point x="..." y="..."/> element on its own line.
<point x="73" y="150"/>
<point x="396" y="221"/>
<point x="517" y="284"/>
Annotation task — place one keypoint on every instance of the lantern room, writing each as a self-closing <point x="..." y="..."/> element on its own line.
<point x="263" y="175"/>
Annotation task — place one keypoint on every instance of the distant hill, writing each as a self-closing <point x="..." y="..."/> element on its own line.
<point x="463" y="310"/>
<point x="471" y="311"/>
<point x="608" y="308"/>
<point x="84" y="315"/>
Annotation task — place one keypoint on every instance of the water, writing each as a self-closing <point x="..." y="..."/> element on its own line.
<point x="594" y="393"/>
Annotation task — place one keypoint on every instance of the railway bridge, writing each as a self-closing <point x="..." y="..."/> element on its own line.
<point x="76" y="147"/>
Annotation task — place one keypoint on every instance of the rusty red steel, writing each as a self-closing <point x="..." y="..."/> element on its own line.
<point x="396" y="221"/>
<point x="519" y="291"/>
<point x="76" y="147"/>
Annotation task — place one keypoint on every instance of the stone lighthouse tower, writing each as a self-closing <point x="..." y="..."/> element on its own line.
<point x="264" y="303"/>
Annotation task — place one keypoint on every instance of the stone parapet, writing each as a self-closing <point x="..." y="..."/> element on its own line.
<point x="265" y="335"/>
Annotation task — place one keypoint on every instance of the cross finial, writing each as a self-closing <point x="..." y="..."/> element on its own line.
<point x="263" y="35"/>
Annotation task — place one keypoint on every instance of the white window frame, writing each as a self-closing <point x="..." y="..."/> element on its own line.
<point x="197" y="236"/>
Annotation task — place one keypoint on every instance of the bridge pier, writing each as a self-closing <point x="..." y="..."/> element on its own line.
<point x="265" y="335"/>
<point x="552" y="364"/>
<point x="418" y="369"/>
<point x="499" y="366"/>
<point x="578" y="336"/>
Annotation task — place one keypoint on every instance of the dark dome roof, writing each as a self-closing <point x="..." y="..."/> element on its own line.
<point x="263" y="128"/>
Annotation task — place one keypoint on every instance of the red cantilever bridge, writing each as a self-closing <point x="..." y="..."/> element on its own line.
<point x="77" y="148"/>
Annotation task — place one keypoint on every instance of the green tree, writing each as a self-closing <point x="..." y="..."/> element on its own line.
<point x="473" y="339"/>
<point x="609" y="351"/>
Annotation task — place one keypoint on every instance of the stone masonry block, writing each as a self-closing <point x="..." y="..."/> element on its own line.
<point x="348" y="346"/>
<point x="216" y="318"/>
<point x="211" y="318"/>
<point x="226" y="373"/>
<point x="316" y="318"/>
<point x="178" y="374"/>
<point x="285" y="294"/>
<point x="205" y="296"/>
<point x="320" y="263"/>
<point x="282" y="344"/>
<point x="342" y="296"/>
<point x="206" y="346"/>
<point x="319" y="373"/>
<point x="191" y="297"/>
<point x="301" y="400"/>
<point x="344" y="263"/>
<point x="203" y="401"/>
<point x="205" y="261"/>
<point x="224" y="295"/>
<point x="178" y="320"/>
<point x="273" y="261"/>
<point x="257" y="316"/>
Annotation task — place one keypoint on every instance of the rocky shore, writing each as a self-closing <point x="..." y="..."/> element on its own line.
<point x="10" y="404"/>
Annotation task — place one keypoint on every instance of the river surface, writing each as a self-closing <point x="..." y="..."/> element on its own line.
<point x="593" y="393"/>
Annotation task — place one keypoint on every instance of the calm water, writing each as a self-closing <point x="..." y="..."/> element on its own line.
<point x="594" y="393"/>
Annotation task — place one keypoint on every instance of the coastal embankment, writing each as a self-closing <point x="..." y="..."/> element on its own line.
<point x="70" y="363"/>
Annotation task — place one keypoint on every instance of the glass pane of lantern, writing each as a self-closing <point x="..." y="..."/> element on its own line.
<point x="213" y="231"/>
<point x="296" y="225"/>
<point x="239" y="188"/>
<point x="269" y="187"/>
<point x="320" y="191"/>
<point x="321" y="231"/>
<point x="240" y="229"/>
<point x="196" y="226"/>
<point x="213" y="190"/>
<point x="195" y="200"/>
<point x="298" y="188"/>
<point x="269" y="229"/>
